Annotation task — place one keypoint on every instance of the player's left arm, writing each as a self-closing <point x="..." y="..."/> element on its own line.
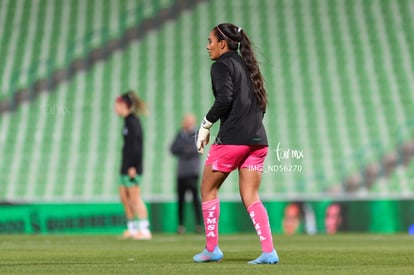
<point x="223" y="87"/>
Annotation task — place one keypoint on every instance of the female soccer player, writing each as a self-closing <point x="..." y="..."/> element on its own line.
<point x="128" y="106"/>
<point x="241" y="143"/>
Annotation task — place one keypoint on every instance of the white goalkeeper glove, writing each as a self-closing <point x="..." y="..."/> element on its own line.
<point x="203" y="136"/>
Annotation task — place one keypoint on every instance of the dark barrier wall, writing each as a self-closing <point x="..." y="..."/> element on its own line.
<point x="379" y="216"/>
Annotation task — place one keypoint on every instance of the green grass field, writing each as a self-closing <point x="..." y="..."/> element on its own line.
<point x="170" y="254"/>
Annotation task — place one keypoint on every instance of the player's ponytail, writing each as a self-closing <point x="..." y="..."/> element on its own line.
<point x="236" y="39"/>
<point x="135" y="103"/>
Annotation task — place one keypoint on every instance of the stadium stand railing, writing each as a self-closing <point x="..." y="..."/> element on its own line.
<point x="78" y="48"/>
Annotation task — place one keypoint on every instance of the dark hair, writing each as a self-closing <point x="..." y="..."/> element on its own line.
<point x="134" y="103"/>
<point x="235" y="37"/>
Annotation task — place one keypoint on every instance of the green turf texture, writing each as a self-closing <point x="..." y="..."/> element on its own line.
<point x="171" y="254"/>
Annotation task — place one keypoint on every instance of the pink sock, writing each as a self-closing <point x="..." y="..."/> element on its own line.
<point x="211" y="214"/>
<point x="260" y="220"/>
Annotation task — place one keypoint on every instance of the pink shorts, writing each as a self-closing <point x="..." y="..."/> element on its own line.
<point x="226" y="158"/>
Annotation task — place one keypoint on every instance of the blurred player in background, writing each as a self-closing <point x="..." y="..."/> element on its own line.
<point x="241" y="143"/>
<point x="128" y="106"/>
<point x="188" y="170"/>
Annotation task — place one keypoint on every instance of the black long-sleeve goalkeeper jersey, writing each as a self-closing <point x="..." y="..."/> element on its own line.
<point x="235" y="103"/>
<point x="132" y="151"/>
